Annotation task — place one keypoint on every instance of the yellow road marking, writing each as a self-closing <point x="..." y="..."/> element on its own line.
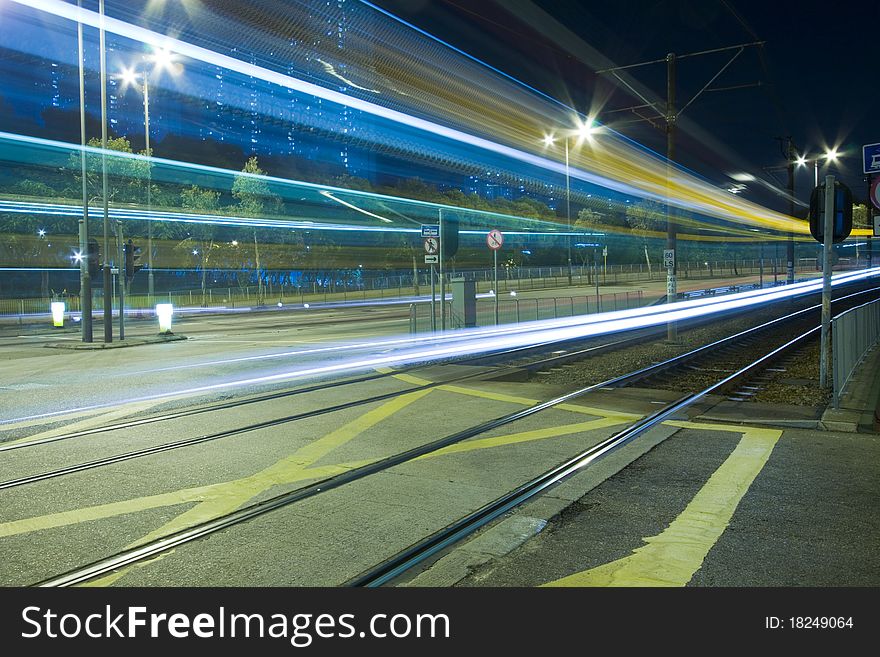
<point x="217" y="499"/>
<point x="527" y="436"/>
<point x="286" y="471"/>
<point x="672" y="557"/>
<point x="231" y="495"/>
<point x="522" y="401"/>
<point x="87" y="423"/>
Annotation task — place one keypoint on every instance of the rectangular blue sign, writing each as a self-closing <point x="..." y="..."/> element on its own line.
<point x="430" y="230"/>
<point x="871" y="158"/>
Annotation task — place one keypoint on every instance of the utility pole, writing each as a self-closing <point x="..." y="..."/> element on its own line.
<point x="85" y="276"/>
<point x="828" y="237"/>
<point x="108" y="282"/>
<point x="671" y="287"/>
<point x="790" y="243"/>
<point x="150" y="283"/>
<point x="670" y="116"/>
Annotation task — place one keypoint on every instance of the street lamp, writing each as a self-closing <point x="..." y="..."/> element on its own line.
<point x="831" y="155"/>
<point x="162" y="60"/>
<point x="584" y="131"/>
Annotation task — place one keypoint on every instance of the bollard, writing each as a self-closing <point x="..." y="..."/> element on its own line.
<point x="164" y="311"/>
<point x="58" y="308"/>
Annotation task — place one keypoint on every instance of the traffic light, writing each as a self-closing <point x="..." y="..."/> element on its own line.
<point x="94" y="261"/>
<point x="132" y="260"/>
<point x="843" y="204"/>
<point x="450" y="236"/>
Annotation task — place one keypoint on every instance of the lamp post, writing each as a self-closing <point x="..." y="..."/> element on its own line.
<point x="584" y="131"/>
<point x="831" y="155"/>
<point x="108" y="298"/>
<point x="162" y="59"/>
<point x="85" y="277"/>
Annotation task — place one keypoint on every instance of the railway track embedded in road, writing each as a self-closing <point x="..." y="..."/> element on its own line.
<point x="418" y="553"/>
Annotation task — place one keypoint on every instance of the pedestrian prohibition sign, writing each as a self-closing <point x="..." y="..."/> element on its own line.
<point x="432" y="245"/>
<point x="495" y="239"/>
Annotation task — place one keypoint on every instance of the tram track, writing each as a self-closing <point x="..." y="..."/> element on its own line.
<point x="430" y="546"/>
<point x="527" y="362"/>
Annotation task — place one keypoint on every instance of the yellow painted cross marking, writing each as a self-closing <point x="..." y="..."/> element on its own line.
<point x="210" y="501"/>
<point x="672" y="557"/>
<point x="81" y="425"/>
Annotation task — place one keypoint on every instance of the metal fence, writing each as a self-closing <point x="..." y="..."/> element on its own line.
<point x="853" y="334"/>
<point x="391" y="285"/>
<point x="512" y="311"/>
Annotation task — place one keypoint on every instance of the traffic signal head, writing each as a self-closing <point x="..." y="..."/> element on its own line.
<point x="132" y="260"/>
<point x="843" y="204"/>
<point x="94" y="260"/>
<point x="449" y="235"/>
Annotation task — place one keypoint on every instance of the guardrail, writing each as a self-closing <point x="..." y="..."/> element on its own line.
<point x="853" y="334"/>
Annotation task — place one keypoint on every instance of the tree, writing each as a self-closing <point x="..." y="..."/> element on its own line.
<point x="860" y="216"/>
<point x="643" y="219"/>
<point x="200" y="236"/>
<point x="254" y="197"/>
<point x="125" y="175"/>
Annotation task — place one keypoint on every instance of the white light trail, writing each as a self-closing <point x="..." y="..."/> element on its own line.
<point x="471" y="343"/>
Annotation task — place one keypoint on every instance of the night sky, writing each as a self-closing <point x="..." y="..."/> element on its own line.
<point x="817" y="71"/>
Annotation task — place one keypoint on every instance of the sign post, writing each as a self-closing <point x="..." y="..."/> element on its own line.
<point x="828" y="236"/>
<point x="494" y="240"/>
<point x="605" y="264"/>
<point x="431" y="235"/>
<point x="671" y="289"/>
<point x="442" y="275"/>
<point x="871" y="168"/>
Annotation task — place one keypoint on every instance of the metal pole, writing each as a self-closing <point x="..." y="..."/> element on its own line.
<point x="150" y="282"/>
<point x="120" y="267"/>
<point x="596" y="275"/>
<point x="568" y="209"/>
<point x="870" y="217"/>
<point x="495" y="259"/>
<point x="790" y="244"/>
<point x="442" y="278"/>
<point x="827" y="236"/>
<point x="433" y="300"/>
<point x="761" y="265"/>
<point x="671" y="287"/>
<point x="85" y="277"/>
<point x="108" y="298"/>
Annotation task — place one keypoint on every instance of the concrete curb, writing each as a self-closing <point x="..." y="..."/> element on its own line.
<point x="91" y="346"/>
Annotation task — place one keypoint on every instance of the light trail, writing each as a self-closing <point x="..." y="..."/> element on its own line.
<point x="615" y="165"/>
<point x="491" y="340"/>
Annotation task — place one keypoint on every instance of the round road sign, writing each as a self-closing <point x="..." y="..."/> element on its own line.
<point x="494" y="239"/>
<point x="432" y="245"/>
<point x="875" y="193"/>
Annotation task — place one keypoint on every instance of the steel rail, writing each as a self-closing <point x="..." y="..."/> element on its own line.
<point x="128" y="557"/>
<point x="197" y="440"/>
<point x="430" y="546"/>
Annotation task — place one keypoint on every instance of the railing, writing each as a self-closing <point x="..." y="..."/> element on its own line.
<point x="512" y="311"/>
<point x="387" y="286"/>
<point x="853" y="334"/>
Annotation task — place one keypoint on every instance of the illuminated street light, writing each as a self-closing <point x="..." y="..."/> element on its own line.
<point x="585" y="130"/>
<point x="830" y="155"/>
<point x="162" y="59"/>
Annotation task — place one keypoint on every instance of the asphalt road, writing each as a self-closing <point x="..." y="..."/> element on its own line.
<point x="806" y="517"/>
